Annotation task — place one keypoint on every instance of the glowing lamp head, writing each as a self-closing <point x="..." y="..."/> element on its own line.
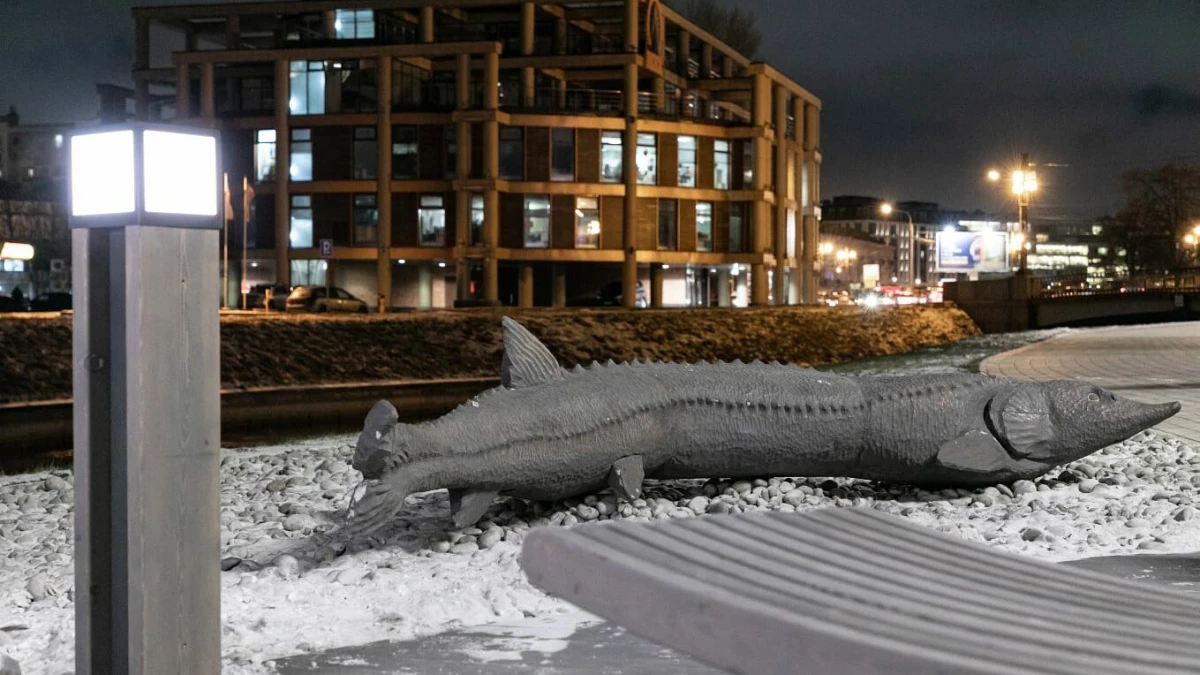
<point x="1024" y="182"/>
<point x="993" y="175"/>
<point x="144" y="174"/>
<point x="11" y="250"/>
<point x="1189" y="239"/>
<point x="886" y="209"/>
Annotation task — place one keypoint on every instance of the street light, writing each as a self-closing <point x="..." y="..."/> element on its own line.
<point x="144" y="215"/>
<point x="887" y="209"/>
<point x="1024" y="183"/>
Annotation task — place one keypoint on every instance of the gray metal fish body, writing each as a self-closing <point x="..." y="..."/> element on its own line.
<point x="550" y="433"/>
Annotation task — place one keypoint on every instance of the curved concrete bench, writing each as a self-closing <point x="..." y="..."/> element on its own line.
<point x="854" y="591"/>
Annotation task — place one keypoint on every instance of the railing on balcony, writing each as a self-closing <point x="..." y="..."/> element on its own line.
<point x="570" y="101"/>
<point x="430" y="96"/>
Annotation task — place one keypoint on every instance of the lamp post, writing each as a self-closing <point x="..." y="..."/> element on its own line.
<point x="887" y="209"/>
<point x="1024" y="184"/>
<point x="145" y="240"/>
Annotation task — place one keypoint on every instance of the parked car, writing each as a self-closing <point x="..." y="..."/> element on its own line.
<point x="50" y="302"/>
<point x="11" y="304"/>
<point x="609" y="295"/>
<point x="257" y="297"/>
<point x="322" y="299"/>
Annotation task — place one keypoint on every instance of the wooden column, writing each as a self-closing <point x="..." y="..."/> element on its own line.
<point x="631" y="26"/>
<point x="780" y="180"/>
<point x="208" y="101"/>
<point x="183" y="90"/>
<point x="462" y="172"/>
<point x="283" y="149"/>
<point x="811" y="224"/>
<point x="760" y="224"/>
<point x="706" y="60"/>
<point x="560" y="285"/>
<point x="426" y="24"/>
<point x="656" y="285"/>
<point x="383" y="187"/>
<point x="629" y="273"/>
<point x="528" y="75"/>
<point x="491" y="172"/>
<point x="525" y="285"/>
<point x="723" y="297"/>
<point x="683" y="53"/>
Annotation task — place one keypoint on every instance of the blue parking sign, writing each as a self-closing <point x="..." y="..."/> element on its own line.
<point x="326" y="248"/>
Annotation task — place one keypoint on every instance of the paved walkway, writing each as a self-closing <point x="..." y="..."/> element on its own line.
<point x="1153" y="364"/>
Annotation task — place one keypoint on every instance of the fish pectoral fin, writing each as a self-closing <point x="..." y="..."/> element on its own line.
<point x="468" y="506"/>
<point x="976" y="451"/>
<point x="626" y="476"/>
<point x="527" y="362"/>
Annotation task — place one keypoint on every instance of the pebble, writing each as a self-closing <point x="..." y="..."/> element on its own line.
<point x="1088" y="485"/>
<point x="440" y="546"/>
<point x="490" y="538"/>
<point x="465" y="549"/>
<point x="287" y="565"/>
<point x="230" y="563"/>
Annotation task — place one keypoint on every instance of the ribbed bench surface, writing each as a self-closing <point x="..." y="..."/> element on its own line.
<point x="857" y="592"/>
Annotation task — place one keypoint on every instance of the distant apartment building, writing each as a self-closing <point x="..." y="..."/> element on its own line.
<point x="1081" y="249"/>
<point x="913" y="249"/>
<point x="483" y="152"/>
<point x="31" y="152"/>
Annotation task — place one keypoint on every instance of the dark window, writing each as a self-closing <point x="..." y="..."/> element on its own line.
<point x="668" y="225"/>
<point x="737" y="220"/>
<point x="450" y="135"/>
<point x="366" y="158"/>
<point x="562" y="154"/>
<point x="404" y="152"/>
<point x="366" y="220"/>
<point x="512" y="153"/>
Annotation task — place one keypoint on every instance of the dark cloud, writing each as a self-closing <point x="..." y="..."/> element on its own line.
<point x="1157" y="100"/>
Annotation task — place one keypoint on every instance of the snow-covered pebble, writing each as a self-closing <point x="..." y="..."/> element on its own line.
<point x="395" y="584"/>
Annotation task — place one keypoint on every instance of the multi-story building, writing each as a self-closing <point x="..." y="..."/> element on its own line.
<point x="497" y="150"/>
<point x="31" y="153"/>
<point x="912" y="247"/>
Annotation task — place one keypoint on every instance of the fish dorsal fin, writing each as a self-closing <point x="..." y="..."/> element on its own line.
<point x="527" y="362"/>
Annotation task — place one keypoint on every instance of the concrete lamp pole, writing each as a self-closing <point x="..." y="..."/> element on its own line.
<point x="145" y="222"/>
<point x="1024" y="184"/>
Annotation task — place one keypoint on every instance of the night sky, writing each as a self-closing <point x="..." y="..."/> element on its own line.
<point x="920" y="97"/>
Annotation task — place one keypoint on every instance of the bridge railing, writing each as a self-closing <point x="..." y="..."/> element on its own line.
<point x="1186" y="280"/>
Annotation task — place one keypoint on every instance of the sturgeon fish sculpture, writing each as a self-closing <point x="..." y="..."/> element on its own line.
<point x="548" y="433"/>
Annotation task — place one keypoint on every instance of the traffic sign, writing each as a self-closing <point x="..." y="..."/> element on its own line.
<point x="326" y="248"/>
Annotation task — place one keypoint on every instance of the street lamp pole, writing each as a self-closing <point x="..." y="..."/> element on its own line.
<point x="1024" y="184"/>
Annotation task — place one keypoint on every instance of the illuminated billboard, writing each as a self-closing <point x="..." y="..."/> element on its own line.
<point x="972" y="252"/>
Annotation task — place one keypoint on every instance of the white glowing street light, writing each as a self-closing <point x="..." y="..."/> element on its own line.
<point x="145" y="220"/>
<point x="14" y="250"/>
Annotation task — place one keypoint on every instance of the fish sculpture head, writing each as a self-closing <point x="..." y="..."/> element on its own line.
<point x="1061" y="421"/>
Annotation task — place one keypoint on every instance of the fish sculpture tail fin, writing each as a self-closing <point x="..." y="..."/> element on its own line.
<point x="375" y="503"/>
<point x="383" y="444"/>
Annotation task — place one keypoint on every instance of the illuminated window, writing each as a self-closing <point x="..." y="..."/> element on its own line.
<point x="354" y="24"/>
<point x="747" y="164"/>
<point x="647" y="159"/>
<point x="264" y="155"/>
<point x="366" y="159"/>
<point x="722" y="165"/>
<point x="431" y="218"/>
<point x="477" y="219"/>
<point x="704" y="226"/>
<point x="537" y="221"/>
<point x="307" y="79"/>
<point x="366" y="220"/>
<point x="302" y="155"/>
<point x="611" y="157"/>
<point x="301" y="231"/>
<point x="687" y="161"/>
<point x="587" y="222"/>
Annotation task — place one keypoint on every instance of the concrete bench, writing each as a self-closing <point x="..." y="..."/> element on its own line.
<point x="854" y="591"/>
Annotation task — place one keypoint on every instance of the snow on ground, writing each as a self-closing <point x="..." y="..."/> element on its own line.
<point x="287" y="590"/>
